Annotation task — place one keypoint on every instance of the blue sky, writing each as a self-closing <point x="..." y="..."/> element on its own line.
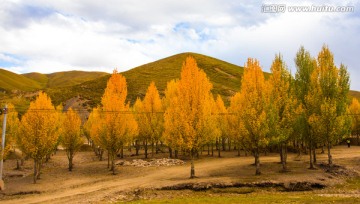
<point x="48" y="36"/>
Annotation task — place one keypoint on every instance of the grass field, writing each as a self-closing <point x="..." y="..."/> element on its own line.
<point x="347" y="192"/>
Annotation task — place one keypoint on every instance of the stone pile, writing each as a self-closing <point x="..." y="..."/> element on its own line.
<point x="152" y="162"/>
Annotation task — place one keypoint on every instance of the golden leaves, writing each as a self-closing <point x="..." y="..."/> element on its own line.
<point x="39" y="128"/>
<point x="188" y="119"/>
<point x="113" y="125"/>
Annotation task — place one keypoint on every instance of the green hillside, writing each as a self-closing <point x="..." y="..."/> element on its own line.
<point x="90" y="86"/>
<point x="224" y="76"/>
<point x="11" y="81"/>
<point x="354" y="94"/>
<point x="60" y="79"/>
<point x="42" y="79"/>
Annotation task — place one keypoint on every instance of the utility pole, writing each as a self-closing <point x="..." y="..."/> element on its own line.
<point x="2" y="184"/>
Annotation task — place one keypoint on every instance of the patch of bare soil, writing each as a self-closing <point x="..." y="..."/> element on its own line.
<point x="92" y="182"/>
<point x="290" y="186"/>
<point x="152" y="162"/>
<point x="338" y="171"/>
<point x="225" y="73"/>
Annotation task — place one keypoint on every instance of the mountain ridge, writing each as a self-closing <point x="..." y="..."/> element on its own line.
<point x="65" y="78"/>
<point x="88" y="87"/>
<point x="226" y="78"/>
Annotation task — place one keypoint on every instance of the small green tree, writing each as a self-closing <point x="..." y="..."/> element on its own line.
<point x="282" y="107"/>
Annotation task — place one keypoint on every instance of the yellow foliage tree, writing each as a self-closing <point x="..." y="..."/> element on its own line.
<point x="234" y="121"/>
<point x="188" y="121"/>
<point x="12" y="127"/>
<point x="354" y="110"/>
<point x="253" y="113"/>
<point x="92" y="128"/>
<point x="141" y="120"/>
<point x="71" y="135"/>
<point x="153" y="118"/>
<point x="172" y="139"/>
<point x="39" y="133"/>
<point x="118" y="125"/>
<point x="222" y="125"/>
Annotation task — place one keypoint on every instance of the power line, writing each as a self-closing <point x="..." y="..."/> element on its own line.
<point x="9" y="110"/>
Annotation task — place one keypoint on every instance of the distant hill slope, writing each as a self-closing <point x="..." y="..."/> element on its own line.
<point x="61" y="79"/>
<point x="42" y="79"/>
<point x="354" y="94"/>
<point x="86" y="88"/>
<point x="11" y="81"/>
<point x="225" y="77"/>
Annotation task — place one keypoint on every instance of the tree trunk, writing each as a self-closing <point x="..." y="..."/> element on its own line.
<point x="47" y="158"/>
<point x="212" y="149"/>
<point x="17" y="165"/>
<point x="257" y="161"/>
<point x="329" y="154"/>
<point x="108" y="159"/>
<point x="35" y="171"/>
<point x="314" y="154"/>
<point x="311" y="156"/>
<point x="156" y="147"/>
<point x="170" y="152"/>
<point x="192" y="170"/>
<point x="146" y="149"/>
<point x="229" y="144"/>
<point x="219" y="152"/>
<point x="152" y="149"/>
<point x="70" y="162"/>
<point x="38" y="171"/>
<point x="281" y="152"/>
<point x="101" y="152"/>
<point x="121" y="153"/>
<point x="176" y="153"/>
<point x="112" y="156"/>
<point x="208" y="146"/>
<point x="284" y="157"/>
<point x="223" y="143"/>
<point x="238" y="151"/>
<point x="137" y="147"/>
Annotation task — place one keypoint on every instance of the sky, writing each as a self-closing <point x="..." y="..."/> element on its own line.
<point x="49" y="36"/>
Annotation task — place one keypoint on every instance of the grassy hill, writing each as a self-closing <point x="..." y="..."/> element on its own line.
<point x="225" y="77"/>
<point x="11" y="81"/>
<point x="354" y="94"/>
<point x="60" y="79"/>
<point x="88" y="87"/>
<point x="42" y="79"/>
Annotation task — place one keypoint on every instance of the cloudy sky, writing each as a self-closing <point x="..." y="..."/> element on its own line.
<point x="48" y="36"/>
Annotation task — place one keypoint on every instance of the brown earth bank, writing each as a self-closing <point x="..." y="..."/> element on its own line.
<point x="92" y="182"/>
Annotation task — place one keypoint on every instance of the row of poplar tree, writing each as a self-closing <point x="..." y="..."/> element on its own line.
<point x="311" y="108"/>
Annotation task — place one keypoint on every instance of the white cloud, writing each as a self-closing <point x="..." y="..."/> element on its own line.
<point x="48" y="36"/>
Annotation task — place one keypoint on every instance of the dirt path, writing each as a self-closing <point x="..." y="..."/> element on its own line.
<point x="92" y="182"/>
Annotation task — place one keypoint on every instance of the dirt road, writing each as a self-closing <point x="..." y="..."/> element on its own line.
<point x="91" y="181"/>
